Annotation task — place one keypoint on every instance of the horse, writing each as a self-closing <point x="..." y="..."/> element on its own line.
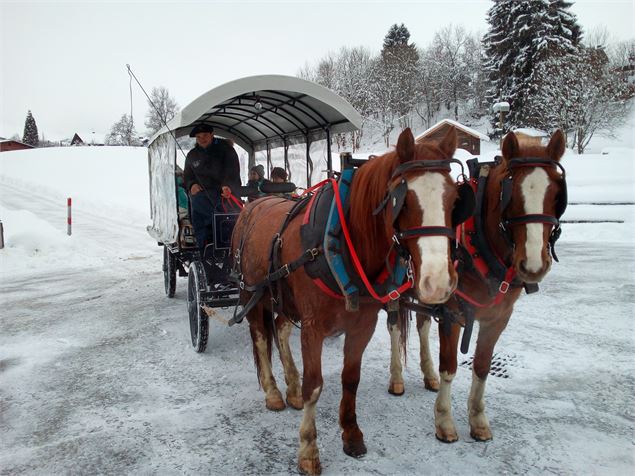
<point x="424" y="224"/>
<point x="522" y="201"/>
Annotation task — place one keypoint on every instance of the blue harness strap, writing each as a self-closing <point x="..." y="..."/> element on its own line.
<point x="333" y="251"/>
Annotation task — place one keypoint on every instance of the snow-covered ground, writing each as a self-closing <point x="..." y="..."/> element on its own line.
<point x="97" y="375"/>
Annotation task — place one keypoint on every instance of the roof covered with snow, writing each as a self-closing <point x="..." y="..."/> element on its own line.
<point x="458" y="125"/>
<point x="268" y="109"/>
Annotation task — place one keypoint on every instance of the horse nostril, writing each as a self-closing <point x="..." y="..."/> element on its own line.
<point x="522" y="266"/>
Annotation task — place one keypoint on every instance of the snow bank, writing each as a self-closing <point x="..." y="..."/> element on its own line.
<point x="105" y="177"/>
<point x="31" y="243"/>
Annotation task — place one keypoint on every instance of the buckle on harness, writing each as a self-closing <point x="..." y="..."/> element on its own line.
<point x="286" y="270"/>
<point x="394" y="295"/>
<point x="504" y="287"/>
<point x="314" y="253"/>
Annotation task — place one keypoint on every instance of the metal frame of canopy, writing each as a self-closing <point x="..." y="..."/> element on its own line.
<point x="259" y="113"/>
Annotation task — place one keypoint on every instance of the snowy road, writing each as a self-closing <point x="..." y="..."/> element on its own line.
<point x="97" y="376"/>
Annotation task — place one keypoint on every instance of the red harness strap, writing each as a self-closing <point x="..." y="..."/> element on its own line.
<point x="465" y="230"/>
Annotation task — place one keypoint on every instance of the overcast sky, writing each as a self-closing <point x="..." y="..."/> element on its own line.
<point x="65" y="61"/>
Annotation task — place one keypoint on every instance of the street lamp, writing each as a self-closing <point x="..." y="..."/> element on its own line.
<point x="502" y="108"/>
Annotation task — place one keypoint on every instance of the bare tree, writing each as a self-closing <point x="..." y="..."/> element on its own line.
<point x="123" y="132"/>
<point x="161" y="108"/>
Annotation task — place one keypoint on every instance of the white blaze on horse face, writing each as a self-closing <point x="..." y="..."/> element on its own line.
<point x="434" y="283"/>
<point x="533" y="188"/>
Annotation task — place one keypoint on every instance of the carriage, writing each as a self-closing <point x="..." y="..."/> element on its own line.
<point x="278" y="120"/>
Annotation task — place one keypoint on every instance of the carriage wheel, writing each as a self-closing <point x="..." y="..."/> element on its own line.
<point x="169" y="272"/>
<point x="199" y="324"/>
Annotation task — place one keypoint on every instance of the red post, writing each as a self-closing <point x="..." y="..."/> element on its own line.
<point x="68" y="219"/>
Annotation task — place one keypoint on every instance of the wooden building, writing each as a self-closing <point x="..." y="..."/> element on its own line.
<point x="467" y="138"/>
<point x="7" y="145"/>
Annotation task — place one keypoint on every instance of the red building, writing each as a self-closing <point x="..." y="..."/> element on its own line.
<point x="8" y="144"/>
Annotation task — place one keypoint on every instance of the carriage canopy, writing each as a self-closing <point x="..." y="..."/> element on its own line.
<point x="258" y="113"/>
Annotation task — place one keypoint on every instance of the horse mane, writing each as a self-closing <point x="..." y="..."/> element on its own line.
<point x="369" y="187"/>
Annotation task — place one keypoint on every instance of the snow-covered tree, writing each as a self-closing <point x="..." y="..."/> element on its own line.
<point x="395" y="89"/>
<point x="522" y="34"/>
<point x="161" y="108"/>
<point x="581" y="94"/>
<point x="123" y="132"/>
<point x="30" y="135"/>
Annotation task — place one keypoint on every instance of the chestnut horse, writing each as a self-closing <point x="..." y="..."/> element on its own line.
<point x="429" y="201"/>
<point x="519" y="224"/>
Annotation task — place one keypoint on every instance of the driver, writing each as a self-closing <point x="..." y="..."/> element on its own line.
<point x="211" y="171"/>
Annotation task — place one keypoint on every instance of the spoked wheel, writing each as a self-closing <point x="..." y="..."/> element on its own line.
<point x="169" y="272"/>
<point x="199" y="324"/>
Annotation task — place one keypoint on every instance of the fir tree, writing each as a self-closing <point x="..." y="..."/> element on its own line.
<point x="395" y="89"/>
<point x="30" y="135"/>
<point x="522" y="34"/>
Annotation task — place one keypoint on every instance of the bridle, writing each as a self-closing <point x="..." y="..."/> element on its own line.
<point x="507" y="186"/>
<point x="396" y="196"/>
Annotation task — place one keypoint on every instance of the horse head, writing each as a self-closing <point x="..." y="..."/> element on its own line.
<point x="424" y="221"/>
<point x="532" y="199"/>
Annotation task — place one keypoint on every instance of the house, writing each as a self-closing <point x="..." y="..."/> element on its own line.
<point x="8" y="144"/>
<point x="90" y="139"/>
<point x="467" y="138"/>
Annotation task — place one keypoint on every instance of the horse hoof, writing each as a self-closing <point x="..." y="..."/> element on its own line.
<point x="396" y="389"/>
<point x="447" y="437"/>
<point x="356" y="449"/>
<point x="275" y="404"/>
<point x="431" y="384"/>
<point x="481" y="434"/>
<point x="309" y="466"/>
<point x="296" y="403"/>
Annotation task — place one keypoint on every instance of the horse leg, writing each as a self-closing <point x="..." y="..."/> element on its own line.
<point x="488" y="334"/>
<point x="444" y="423"/>
<point x="308" y="454"/>
<point x="291" y="374"/>
<point x="430" y="377"/>
<point x="354" y="346"/>
<point x="396" y="385"/>
<point x="260" y="327"/>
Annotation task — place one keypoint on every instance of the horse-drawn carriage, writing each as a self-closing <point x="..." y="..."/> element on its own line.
<point x="385" y="228"/>
<point x="264" y="115"/>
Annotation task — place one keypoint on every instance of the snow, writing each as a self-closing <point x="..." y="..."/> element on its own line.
<point x="98" y="375"/>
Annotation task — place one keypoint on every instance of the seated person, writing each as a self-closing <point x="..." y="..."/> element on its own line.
<point x="256" y="179"/>
<point x="181" y="194"/>
<point x="212" y="172"/>
<point x="278" y="175"/>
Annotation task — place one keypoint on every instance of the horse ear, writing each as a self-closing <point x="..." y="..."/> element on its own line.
<point x="448" y="144"/>
<point x="510" y="146"/>
<point x="556" y="146"/>
<point x="406" y="146"/>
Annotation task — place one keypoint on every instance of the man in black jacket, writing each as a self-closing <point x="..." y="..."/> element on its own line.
<point x="212" y="171"/>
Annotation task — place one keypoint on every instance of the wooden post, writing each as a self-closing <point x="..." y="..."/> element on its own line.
<point x="1" y="236"/>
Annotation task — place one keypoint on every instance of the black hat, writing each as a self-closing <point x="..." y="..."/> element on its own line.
<point x="201" y="128"/>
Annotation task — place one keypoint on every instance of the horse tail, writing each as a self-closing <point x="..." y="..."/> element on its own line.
<point x="403" y="323"/>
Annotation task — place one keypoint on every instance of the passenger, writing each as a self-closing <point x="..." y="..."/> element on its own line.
<point x="278" y="175"/>
<point x="211" y="171"/>
<point x="181" y="194"/>
<point x="256" y="179"/>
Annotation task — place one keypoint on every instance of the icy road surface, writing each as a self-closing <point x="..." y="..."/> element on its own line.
<point x="97" y="375"/>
